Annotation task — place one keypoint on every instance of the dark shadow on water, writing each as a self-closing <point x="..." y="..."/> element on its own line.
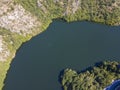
<point x="97" y="64"/>
<point x="60" y="78"/>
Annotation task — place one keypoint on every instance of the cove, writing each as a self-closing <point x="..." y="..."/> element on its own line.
<point x="76" y="45"/>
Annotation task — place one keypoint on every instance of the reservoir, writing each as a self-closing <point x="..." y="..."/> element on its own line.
<point x="75" y="45"/>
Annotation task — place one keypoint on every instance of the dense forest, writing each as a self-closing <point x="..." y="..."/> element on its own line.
<point x="93" y="78"/>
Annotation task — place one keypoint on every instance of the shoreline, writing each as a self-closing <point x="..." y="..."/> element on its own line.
<point x="45" y="15"/>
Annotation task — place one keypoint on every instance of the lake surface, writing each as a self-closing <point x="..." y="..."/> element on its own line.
<point x="76" y="45"/>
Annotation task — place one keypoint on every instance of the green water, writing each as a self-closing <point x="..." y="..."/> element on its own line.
<point x="63" y="45"/>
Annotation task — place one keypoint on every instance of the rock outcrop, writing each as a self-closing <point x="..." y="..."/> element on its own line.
<point x="4" y="51"/>
<point x="17" y="19"/>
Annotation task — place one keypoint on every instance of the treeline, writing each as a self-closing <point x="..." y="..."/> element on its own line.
<point x="93" y="78"/>
<point x="103" y="11"/>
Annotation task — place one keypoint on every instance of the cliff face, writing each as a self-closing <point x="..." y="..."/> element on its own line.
<point x="22" y="19"/>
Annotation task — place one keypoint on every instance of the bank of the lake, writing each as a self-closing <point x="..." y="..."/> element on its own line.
<point x="31" y="17"/>
<point x="63" y="45"/>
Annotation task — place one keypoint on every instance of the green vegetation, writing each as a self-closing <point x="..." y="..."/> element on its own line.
<point x="103" y="11"/>
<point x="13" y="41"/>
<point x="48" y="11"/>
<point x="93" y="78"/>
